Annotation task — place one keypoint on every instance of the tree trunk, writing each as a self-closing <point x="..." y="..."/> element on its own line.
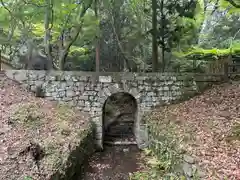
<point x="47" y="37"/>
<point x="64" y="50"/>
<point x="62" y="58"/>
<point x="97" y="57"/>
<point x="154" y="37"/>
<point x="97" y="63"/>
<point x="163" y="39"/>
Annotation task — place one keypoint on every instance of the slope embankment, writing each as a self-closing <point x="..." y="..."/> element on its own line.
<point x="204" y="130"/>
<point x="38" y="138"/>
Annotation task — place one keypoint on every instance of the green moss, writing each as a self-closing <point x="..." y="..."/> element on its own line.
<point x="54" y="157"/>
<point x="235" y="132"/>
<point x="64" y="112"/>
<point x="28" y="115"/>
<point x="60" y="155"/>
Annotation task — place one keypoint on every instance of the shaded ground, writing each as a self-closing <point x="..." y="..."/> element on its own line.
<point x="115" y="163"/>
<point x="36" y="136"/>
<point x="209" y="127"/>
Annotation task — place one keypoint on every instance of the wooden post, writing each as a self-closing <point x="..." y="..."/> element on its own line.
<point x="226" y="72"/>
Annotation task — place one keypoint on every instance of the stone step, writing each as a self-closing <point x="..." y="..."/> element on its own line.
<point x="120" y="143"/>
<point x="122" y="124"/>
<point x="119" y="138"/>
<point x="127" y="121"/>
<point x="108" y="135"/>
<point x="118" y="130"/>
<point x="118" y="133"/>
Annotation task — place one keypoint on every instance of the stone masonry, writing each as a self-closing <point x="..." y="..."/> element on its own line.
<point x="88" y="91"/>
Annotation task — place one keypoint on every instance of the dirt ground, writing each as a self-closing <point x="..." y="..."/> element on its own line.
<point x="115" y="163"/>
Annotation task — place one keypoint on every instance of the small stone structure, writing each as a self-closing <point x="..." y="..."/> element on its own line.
<point x="88" y="91"/>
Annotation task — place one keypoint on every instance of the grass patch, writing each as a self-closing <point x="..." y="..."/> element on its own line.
<point x="156" y="170"/>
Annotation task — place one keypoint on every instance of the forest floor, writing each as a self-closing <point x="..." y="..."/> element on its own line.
<point x="35" y="134"/>
<point x="209" y="127"/>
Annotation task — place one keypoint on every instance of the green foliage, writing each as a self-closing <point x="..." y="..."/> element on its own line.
<point x="121" y="27"/>
<point x="224" y="31"/>
<point x="164" y="156"/>
<point x="232" y="9"/>
<point x="198" y="59"/>
<point x="188" y="65"/>
<point x="179" y="22"/>
<point x="200" y="53"/>
<point x="28" y="20"/>
<point x="165" y="144"/>
<point x="74" y="50"/>
<point x="28" y="178"/>
<point x="156" y="170"/>
<point x="199" y="14"/>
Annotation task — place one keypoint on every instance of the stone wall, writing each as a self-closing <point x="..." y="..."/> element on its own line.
<point x="88" y="91"/>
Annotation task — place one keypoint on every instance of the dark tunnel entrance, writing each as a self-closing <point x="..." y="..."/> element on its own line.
<point x="119" y="116"/>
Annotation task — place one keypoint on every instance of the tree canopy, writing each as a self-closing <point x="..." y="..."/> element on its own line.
<point x="132" y="35"/>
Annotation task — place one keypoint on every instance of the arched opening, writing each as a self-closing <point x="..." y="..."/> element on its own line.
<point x="119" y="116"/>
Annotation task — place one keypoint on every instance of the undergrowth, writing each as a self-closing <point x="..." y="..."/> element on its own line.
<point x="164" y="156"/>
<point x="156" y="169"/>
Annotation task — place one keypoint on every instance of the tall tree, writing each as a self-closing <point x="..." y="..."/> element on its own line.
<point x="97" y="48"/>
<point x="154" y="37"/>
<point x="48" y="24"/>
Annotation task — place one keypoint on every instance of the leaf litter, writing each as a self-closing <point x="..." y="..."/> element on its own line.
<point x="30" y="126"/>
<point x="212" y="121"/>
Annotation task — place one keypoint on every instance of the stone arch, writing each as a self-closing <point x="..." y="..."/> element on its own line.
<point x="136" y="113"/>
<point x="116" y="109"/>
<point x="98" y="120"/>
